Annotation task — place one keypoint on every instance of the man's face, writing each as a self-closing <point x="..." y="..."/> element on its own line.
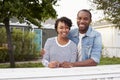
<point x="83" y="21"/>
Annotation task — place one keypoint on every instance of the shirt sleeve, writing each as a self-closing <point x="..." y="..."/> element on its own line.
<point x="45" y="62"/>
<point x="97" y="48"/>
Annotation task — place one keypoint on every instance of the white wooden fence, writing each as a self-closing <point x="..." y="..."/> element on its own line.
<point x="111" y="52"/>
<point x="104" y="72"/>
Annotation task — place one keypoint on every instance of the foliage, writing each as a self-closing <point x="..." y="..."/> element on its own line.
<point x="3" y="55"/>
<point x="2" y="35"/>
<point x="111" y="10"/>
<point x="24" y="46"/>
<point x="30" y="10"/>
<point x="3" y="52"/>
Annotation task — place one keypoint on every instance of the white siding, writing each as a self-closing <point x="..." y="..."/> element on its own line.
<point x="107" y="36"/>
<point x="111" y="40"/>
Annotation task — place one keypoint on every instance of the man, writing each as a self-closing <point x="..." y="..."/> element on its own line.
<point x="88" y="40"/>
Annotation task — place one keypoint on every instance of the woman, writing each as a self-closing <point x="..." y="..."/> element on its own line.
<point x="60" y="49"/>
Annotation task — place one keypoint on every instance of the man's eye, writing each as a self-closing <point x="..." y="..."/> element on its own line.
<point x="79" y="18"/>
<point x="85" y="18"/>
<point x="61" y="28"/>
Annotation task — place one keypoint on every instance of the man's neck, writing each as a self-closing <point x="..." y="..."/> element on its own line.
<point x="83" y="31"/>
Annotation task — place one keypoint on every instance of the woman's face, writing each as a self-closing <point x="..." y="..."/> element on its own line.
<point x="62" y="30"/>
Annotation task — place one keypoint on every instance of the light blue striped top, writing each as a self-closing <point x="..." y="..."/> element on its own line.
<point x="56" y="52"/>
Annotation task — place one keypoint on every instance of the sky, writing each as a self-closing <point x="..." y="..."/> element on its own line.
<point x="69" y="8"/>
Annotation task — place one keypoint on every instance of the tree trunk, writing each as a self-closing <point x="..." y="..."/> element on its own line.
<point x="9" y="41"/>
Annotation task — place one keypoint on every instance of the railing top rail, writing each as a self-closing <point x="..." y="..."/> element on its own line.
<point x="75" y="73"/>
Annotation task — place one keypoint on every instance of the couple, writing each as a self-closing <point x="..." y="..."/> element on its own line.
<point x="75" y="48"/>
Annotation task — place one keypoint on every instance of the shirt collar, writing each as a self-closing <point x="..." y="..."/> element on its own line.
<point x="88" y="31"/>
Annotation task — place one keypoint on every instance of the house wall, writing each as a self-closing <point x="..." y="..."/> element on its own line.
<point x="107" y="36"/>
<point x="111" y="40"/>
<point x="117" y="35"/>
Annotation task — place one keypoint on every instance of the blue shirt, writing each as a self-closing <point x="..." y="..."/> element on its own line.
<point x="91" y="44"/>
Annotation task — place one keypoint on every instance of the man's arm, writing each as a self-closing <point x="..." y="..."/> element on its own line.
<point x="42" y="52"/>
<point x="88" y="62"/>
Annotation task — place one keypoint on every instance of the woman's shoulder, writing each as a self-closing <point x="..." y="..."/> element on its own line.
<point x="51" y="39"/>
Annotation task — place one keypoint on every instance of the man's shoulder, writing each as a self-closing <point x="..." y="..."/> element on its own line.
<point x="94" y="32"/>
<point x="73" y="31"/>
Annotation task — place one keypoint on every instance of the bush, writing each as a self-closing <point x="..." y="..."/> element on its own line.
<point x="23" y="45"/>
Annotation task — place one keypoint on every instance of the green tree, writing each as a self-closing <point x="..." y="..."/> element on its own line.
<point x="111" y="10"/>
<point x="34" y="11"/>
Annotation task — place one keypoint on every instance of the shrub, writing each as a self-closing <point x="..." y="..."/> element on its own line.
<point x="23" y="45"/>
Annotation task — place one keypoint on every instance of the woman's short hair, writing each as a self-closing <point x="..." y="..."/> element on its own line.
<point x="65" y="20"/>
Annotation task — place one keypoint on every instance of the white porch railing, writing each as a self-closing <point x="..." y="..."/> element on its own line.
<point x="111" y="52"/>
<point x="103" y="72"/>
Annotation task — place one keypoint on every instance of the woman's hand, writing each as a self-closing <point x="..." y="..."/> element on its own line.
<point x="53" y="64"/>
<point x="66" y="65"/>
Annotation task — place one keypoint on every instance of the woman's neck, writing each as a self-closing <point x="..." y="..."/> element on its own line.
<point x="62" y="41"/>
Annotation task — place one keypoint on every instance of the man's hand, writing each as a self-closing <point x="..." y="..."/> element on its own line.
<point x="42" y="52"/>
<point x="66" y="65"/>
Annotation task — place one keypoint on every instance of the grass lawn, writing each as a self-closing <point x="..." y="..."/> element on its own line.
<point x="103" y="61"/>
<point x="107" y="61"/>
<point x="22" y="65"/>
